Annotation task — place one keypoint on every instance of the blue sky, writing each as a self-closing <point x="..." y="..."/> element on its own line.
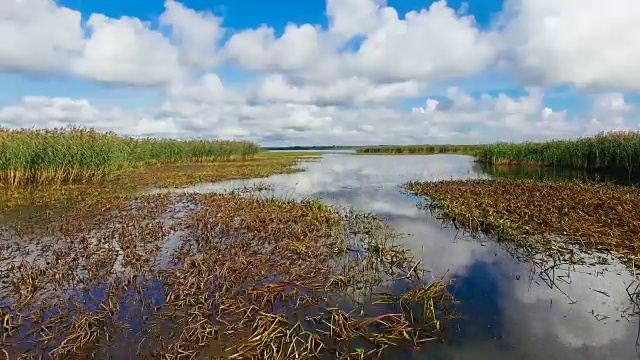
<point x="395" y="79"/>
<point x="240" y="14"/>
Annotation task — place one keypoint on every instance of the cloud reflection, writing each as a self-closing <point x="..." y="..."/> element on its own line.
<point x="535" y="320"/>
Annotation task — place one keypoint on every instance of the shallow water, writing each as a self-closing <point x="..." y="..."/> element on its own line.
<point x="510" y="309"/>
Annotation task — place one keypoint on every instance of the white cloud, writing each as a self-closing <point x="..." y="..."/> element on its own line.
<point x="346" y="82"/>
<point x="126" y="51"/>
<point x="37" y="35"/>
<point x="350" y="18"/>
<point x="205" y="108"/>
<point x="347" y="91"/>
<point x="611" y="112"/>
<point x="501" y="117"/>
<point x="206" y="90"/>
<point x="579" y="42"/>
<point x="427" y="45"/>
<point x="44" y="112"/>
<point x="431" y="44"/>
<point x="195" y="33"/>
<point x="300" y="49"/>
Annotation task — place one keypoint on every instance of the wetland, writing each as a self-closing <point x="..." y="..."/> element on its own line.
<point x="219" y="250"/>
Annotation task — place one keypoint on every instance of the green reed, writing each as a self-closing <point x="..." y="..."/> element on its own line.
<point x="620" y="149"/>
<point x="77" y="155"/>
<point x="420" y="149"/>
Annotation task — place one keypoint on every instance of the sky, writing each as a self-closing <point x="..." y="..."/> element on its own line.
<point x="314" y="72"/>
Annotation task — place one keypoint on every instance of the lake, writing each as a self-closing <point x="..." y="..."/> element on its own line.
<point x="510" y="308"/>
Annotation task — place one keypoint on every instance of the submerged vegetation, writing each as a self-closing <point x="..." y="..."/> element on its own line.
<point x="541" y="217"/>
<point x="419" y="149"/>
<point x="76" y="155"/>
<point x="216" y="276"/>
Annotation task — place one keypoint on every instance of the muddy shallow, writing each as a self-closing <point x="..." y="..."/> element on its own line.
<point x="511" y="309"/>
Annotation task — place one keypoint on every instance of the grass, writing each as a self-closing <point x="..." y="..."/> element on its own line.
<point x="418" y="150"/>
<point x="76" y="155"/>
<point x="603" y="151"/>
<point x="541" y="217"/>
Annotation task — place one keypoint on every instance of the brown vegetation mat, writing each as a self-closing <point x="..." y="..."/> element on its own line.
<point x="544" y="217"/>
<point x="215" y="276"/>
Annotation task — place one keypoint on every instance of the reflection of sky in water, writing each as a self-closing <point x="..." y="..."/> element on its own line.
<point x="508" y="313"/>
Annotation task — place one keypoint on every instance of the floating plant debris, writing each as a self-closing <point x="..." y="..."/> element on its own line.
<point x="543" y="217"/>
<point x="216" y="276"/>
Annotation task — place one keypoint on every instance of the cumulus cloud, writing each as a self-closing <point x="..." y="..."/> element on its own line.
<point x="298" y="49"/>
<point x="611" y="112"/>
<point x="346" y="82"/>
<point x="207" y="89"/>
<point x="431" y="44"/>
<point x="44" y="112"/>
<point x="347" y="91"/>
<point x="504" y="117"/>
<point x="587" y="43"/>
<point x="210" y="110"/>
<point x="126" y="51"/>
<point x="38" y="35"/>
<point x="196" y="34"/>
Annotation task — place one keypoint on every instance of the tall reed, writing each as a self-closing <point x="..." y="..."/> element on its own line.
<point x="419" y="149"/>
<point x="620" y="149"/>
<point x="76" y="155"/>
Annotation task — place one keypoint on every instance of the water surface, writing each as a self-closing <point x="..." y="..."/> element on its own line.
<point x="510" y="309"/>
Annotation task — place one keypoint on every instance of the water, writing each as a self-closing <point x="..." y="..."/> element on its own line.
<point x="510" y="309"/>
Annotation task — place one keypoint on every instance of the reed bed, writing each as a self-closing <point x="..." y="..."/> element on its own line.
<point x="419" y="149"/>
<point x="608" y="150"/>
<point x="216" y="276"/>
<point x="541" y="217"/>
<point x="77" y="155"/>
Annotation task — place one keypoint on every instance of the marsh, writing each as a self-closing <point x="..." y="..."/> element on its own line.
<point x="509" y="307"/>
<point x="339" y="244"/>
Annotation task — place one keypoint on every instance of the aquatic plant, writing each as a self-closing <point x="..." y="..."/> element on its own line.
<point x="616" y="176"/>
<point x="619" y="149"/>
<point x="78" y="155"/>
<point x="216" y="276"/>
<point x="419" y="149"/>
<point x="542" y="217"/>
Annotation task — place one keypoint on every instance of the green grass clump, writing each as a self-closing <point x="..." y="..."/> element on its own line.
<point x="420" y="149"/>
<point x="77" y="155"/>
<point x="620" y="149"/>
